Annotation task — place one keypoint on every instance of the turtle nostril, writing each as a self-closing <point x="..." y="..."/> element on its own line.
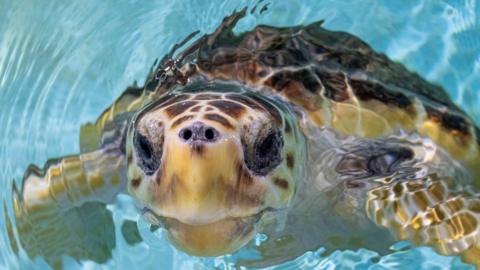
<point x="186" y="134"/>
<point x="199" y="132"/>
<point x="209" y="134"/>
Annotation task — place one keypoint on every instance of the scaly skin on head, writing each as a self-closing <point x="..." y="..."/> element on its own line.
<point x="210" y="159"/>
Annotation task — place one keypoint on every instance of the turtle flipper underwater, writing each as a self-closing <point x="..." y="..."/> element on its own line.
<point x="303" y="134"/>
<point x="61" y="210"/>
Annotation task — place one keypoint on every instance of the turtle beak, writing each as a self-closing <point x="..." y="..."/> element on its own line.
<point x="214" y="239"/>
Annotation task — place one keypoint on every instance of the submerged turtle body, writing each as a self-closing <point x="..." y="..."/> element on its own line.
<point x="304" y="134"/>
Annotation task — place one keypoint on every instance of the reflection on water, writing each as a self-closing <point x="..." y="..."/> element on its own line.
<point x="62" y="64"/>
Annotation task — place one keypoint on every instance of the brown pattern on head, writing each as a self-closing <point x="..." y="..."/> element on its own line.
<point x="196" y="108"/>
<point x="180" y="107"/>
<point x="272" y="110"/>
<point x="198" y="148"/>
<point x="241" y="192"/>
<point x="257" y="104"/>
<point x="181" y="120"/>
<point x="245" y="101"/>
<point x="230" y="108"/>
<point x="175" y="99"/>
<point x="238" y="197"/>
<point x="243" y="177"/>
<point x="219" y="119"/>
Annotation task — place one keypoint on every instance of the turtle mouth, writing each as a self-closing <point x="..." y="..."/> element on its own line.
<point x="214" y="239"/>
<point x="217" y="238"/>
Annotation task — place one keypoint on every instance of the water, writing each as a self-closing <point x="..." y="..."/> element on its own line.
<point x="63" y="62"/>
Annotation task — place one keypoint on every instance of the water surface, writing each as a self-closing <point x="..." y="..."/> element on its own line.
<point x="63" y="62"/>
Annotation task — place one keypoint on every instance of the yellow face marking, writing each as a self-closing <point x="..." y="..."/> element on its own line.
<point x="201" y="183"/>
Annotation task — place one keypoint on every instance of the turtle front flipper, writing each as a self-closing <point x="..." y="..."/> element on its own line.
<point x="405" y="185"/>
<point x="60" y="210"/>
<point x="417" y="191"/>
<point x="369" y="193"/>
<point x="427" y="211"/>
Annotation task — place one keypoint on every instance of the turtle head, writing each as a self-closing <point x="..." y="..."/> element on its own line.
<point x="210" y="159"/>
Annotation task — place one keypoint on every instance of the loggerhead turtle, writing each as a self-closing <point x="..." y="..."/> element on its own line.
<point x="300" y="133"/>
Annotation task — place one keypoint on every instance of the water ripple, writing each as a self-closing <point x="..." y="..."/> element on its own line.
<point x="63" y="62"/>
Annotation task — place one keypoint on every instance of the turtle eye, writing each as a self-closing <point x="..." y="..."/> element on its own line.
<point x="147" y="160"/>
<point x="266" y="153"/>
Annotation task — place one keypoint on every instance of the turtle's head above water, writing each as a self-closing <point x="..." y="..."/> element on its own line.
<point x="210" y="159"/>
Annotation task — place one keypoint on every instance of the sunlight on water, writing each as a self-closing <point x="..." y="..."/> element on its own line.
<point x="63" y="62"/>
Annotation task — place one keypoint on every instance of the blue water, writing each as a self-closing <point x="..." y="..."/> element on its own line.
<point x="63" y="62"/>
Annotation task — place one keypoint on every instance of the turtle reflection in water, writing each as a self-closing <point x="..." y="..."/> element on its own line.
<point x="300" y="133"/>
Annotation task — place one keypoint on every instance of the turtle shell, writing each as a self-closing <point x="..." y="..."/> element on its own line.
<point x="334" y="78"/>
